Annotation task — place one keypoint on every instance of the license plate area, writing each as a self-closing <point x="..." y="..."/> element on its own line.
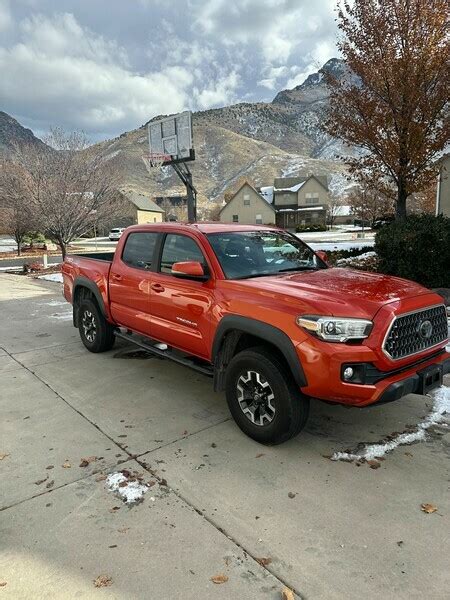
<point x="430" y="378"/>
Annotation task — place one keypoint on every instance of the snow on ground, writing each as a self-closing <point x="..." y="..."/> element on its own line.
<point x="354" y="259"/>
<point x="52" y="277"/>
<point x="67" y="316"/>
<point x="335" y="246"/>
<point x="440" y="413"/>
<point x="131" y="492"/>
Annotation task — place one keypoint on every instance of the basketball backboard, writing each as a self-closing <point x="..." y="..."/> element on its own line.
<point x="172" y="136"/>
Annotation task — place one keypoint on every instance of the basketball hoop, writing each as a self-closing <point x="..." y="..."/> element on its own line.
<point x="155" y="160"/>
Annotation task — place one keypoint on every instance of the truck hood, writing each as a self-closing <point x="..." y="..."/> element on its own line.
<point x="340" y="292"/>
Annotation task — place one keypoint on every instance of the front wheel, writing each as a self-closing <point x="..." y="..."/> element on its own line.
<point x="263" y="398"/>
<point x="95" y="331"/>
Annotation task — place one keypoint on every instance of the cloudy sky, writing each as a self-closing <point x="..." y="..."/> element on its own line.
<point x="107" y="66"/>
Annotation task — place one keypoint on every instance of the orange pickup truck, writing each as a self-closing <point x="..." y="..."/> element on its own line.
<point x="264" y="315"/>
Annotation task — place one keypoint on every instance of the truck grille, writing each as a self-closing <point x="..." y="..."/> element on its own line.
<point x="415" y="332"/>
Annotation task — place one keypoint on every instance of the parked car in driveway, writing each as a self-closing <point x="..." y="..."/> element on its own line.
<point x="115" y="234"/>
<point x="264" y="315"/>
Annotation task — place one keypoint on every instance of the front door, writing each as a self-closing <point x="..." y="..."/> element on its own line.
<point x="181" y="315"/>
<point x="129" y="282"/>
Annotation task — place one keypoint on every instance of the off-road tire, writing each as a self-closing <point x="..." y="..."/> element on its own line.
<point x="101" y="338"/>
<point x="291" y="407"/>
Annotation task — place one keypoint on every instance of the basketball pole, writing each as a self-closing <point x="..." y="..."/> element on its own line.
<point x="184" y="173"/>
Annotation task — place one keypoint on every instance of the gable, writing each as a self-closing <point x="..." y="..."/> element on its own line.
<point x="238" y="198"/>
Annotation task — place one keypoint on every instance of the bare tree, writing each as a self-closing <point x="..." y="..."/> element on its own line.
<point x="72" y="188"/>
<point x="17" y="214"/>
<point x="334" y="209"/>
<point x="394" y="101"/>
<point x="369" y="204"/>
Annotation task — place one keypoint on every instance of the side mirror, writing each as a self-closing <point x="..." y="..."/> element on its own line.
<point x="189" y="270"/>
<point x="322" y="255"/>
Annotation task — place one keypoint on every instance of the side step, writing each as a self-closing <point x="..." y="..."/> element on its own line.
<point x="169" y="354"/>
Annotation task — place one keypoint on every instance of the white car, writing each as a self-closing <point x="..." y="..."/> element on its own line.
<point x="115" y="233"/>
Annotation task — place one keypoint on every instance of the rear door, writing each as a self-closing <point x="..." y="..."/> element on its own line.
<point x="129" y="281"/>
<point x="181" y="315"/>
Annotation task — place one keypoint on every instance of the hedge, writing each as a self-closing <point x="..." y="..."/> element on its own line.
<point x="416" y="248"/>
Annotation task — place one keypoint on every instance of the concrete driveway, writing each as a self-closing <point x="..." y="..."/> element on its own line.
<point x="217" y="503"/>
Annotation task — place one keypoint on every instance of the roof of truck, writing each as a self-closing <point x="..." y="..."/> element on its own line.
<point x="204" y="227"/>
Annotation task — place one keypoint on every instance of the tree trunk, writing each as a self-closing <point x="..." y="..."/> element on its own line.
<point x="19" y="248"/>
<point x="63" y="247"/>
<point x="400" y="208"/>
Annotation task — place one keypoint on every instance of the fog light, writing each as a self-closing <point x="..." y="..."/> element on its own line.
<point x="348" y="373"/>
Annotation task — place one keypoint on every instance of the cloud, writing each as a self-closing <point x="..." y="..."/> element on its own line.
<point x="6" y="20"/>
<point x="219" y="93"/>
<point x="62" y="73"/>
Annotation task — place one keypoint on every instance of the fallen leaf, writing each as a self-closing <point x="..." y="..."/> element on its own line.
<point x="373" y="464"/>
<point x="219" y="578"/>
<point x="103" y="581"/>
<point x="40" y="481"/>
<point x="185" y="432"/>
<point x="428" y="508"/>
<point x="400" y="543"/>
<point x="114" y="509"/>
<point x="213" y="445"/>
<point x="66" y="465"/>
<point x="100" y="477"/>
<point x="87" y="461"/>
<point x="287" y="594"/>
<point x="408" y="454"/>
<point x="2" y="456"/>
<point x="163" y="482"/>
<point x="123" y="529"/>
<point x="291" y="495"/>
<point x="50" y="467"/>
<point x="50" y="484"/>
<point x="2" y="583"/>
<point x="259" y="455"/>
<point x="264" y="561"/>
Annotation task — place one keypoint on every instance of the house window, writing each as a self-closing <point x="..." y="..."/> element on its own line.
<point x="246" y="199"/>
<point x="258" y="219"/>
<point x="312" y="197"/>
<point x="235" y="218"/>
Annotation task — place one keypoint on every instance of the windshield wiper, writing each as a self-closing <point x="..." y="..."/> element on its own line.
<point x="256" y="275"/>
<point x="298" y="269"/>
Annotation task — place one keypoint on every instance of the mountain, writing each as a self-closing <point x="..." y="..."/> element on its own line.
<point x="260" y="141"/>
<point x="14" y="135"/>
<point x="257" y="140"/>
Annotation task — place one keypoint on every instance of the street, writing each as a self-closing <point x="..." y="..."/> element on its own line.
<point x="217" y="503"/>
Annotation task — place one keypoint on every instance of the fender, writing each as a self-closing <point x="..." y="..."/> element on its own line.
<point x="81" y="281"/>
<point x="221" y="354"/>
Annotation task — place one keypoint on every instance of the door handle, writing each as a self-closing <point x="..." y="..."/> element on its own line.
<point x="157" y="287"/>
<point x="116" y="277"/>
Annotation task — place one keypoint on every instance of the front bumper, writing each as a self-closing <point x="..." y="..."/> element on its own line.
<point x="323" y="364"/>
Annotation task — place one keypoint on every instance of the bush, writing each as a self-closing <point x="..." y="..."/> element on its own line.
<point x="416" y="248"/>
<point x="312" y="227"/>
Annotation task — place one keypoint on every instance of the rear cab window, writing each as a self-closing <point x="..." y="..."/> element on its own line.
<point x="139" y="250"/>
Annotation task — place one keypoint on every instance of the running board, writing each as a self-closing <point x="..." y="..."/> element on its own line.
<point x="169" y="354"/>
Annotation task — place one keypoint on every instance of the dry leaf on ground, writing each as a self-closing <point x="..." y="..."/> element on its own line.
<point x="87" y="461"/>
<point x="264" y="561"/>
<point x="259" y="455"/>
<point x="428" y="508"/>
<point x="291" y="495"/>
<point x="373" y="464"/>
<point x="287" y="594"/>
<point x="103" y="581"/>
<point x="219" y="578"/>
<point x="3" y="455"/>
<point x="40" y="481"/>
<point x="2" y="583"/>
<point x="66" y="465"/>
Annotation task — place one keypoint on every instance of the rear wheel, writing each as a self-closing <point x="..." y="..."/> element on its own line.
<point x="263" y="398"/>
<point x="95" y="331"/>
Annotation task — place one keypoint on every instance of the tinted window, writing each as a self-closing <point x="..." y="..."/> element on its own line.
<point x="179" y="248"/>
<point x="139" y="248"/>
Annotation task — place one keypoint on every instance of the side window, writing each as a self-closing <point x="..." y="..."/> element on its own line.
<point x="179" y="248"/>
<point x="235" y="218"/>
<point x="139" y="250"/>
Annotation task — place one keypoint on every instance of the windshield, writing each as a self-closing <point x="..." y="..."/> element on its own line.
<point x="257" y="253"/>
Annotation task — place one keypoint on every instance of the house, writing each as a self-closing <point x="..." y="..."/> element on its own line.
<point x="138" y="209"/>
<point x="443" y="188"/>
<point x="301" y="200"/>
<point x="290" y="202"/>
<point x="175" y="206"/>
<point x="248" y="207"/>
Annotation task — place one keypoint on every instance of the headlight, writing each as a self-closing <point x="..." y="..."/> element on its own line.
<point x="335" y="329"/>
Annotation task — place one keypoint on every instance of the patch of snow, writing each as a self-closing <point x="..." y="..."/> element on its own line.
<point x="342" y="211"/>
<point x="52" y="277"/>
<point x="339" y="245"/>
<point x="294" y="188"/>
<point x="62" y="316"/>
<point x="439" y="414"/>
<point x="355" y="259"/>
<point x="131" y="493"/>
<point x="54" y="303"/>
<point x="267" y="193"/>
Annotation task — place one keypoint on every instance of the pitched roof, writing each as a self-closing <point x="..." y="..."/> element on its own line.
<point x="237" y="192"/>
<point x="285" y="183"/>
<point x="142" y="202"/>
